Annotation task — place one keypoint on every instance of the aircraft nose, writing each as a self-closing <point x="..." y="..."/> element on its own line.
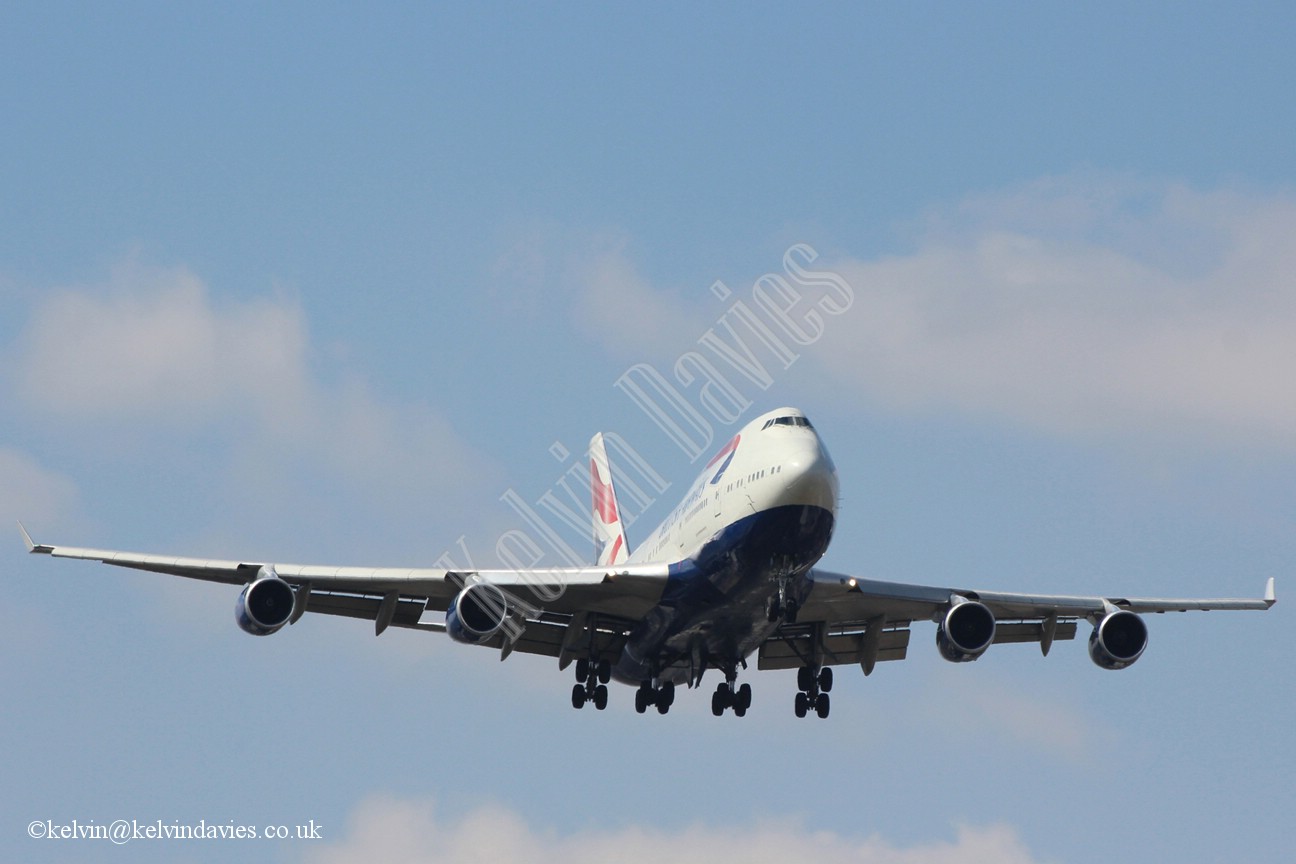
<point x="812" y="477"/>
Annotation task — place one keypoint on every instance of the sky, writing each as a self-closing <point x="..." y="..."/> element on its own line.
<point x="336" y="283"/>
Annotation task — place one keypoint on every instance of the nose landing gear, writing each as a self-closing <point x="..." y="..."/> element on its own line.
<point x="783" y="605"/>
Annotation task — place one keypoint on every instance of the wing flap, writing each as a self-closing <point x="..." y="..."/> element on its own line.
<point x="793" y="649"/>
<point x="407" y="613"/>
<point x="1031" y="631"/>
<point x="546" y="638"/>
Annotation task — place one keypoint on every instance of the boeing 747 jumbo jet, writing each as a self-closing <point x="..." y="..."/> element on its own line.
<point x="729" y="574"/>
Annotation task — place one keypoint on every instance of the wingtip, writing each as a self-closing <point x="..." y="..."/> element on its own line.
<point x="1269" y="595"/>
<point x="31" y="545"/>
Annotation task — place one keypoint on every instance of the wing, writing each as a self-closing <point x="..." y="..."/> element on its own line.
<point x="556" y="611"/>
<point x="846" y="619"/>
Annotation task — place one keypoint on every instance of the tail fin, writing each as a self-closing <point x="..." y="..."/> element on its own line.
<point x="610" y="545"/>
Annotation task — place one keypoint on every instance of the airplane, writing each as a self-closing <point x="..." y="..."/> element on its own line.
<point x="730" y="573"/>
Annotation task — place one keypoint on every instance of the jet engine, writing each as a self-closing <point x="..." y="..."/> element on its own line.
<point x="265" y="605"/>
<point x="477" y="613"/>
<point x="1118" y="640"/>
<point x="966" y="632"/>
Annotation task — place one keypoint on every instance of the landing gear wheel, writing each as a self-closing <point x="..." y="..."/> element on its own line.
<point x="604" y="671"/>
<point x="814" y="683"/>
<point x="717" y="703"/>
<point x="600" y="696"/>
<point x="582" y="669"/>
<point x="641" y="699"/>
<point x="666" y="696"/>
<point x="578" y="696"/>
<point x="773" y="611"/>
<point x="790" y="612"/>
<point x="662" y="705"/>
<point x="742" y="699"/>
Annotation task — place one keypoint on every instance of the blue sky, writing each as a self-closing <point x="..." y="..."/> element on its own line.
<point x="323" y="284"/>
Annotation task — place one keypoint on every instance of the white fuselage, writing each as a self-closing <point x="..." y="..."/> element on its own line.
<point x="740" y="543"/>
<point x="766" y="465"/>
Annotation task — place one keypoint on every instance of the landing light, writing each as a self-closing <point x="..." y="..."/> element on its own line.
<point x="851" y="583"/>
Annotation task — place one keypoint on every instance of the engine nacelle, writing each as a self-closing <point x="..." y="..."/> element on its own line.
<point x="477" y="613"/>
<point x="966" y="632"/>
<point x="265" y="605"/>
<point x="1118" y="640"/>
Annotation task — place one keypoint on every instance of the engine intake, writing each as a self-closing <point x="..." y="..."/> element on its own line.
<point x="477" y="613"/>
<point x="1118" y="640"/>
<point x="265" y="605"/>
<point x="966" y="632"/>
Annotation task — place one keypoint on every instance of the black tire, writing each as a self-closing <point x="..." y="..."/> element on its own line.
<point x="825" y="679"/>
<point x="604" y="671"/>
<point x="666" y="696"/>
<point x="822" y="704"/>
<point x="802" y="704"/>
<point x="805" y="679"/>
<point x="717" y="703"/>
<point x="790" y="613"/>
<point x="743" y="698"/>
<point x="724" y="695"/>
<point x="582" y="669"/>
<point x="600" y="696"/>
<point x="578" y="696"/>
<point x="641" y="700"/>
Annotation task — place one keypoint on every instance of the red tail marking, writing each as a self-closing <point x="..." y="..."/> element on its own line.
<point x="604" y="500"/>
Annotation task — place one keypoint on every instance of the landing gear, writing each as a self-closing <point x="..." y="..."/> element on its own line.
<point x="729" y="695"/>
<point x="786" y="609"/>
<point x="782" y="606"/>
<point x="591" y="683"/>
<point x="814" y="685"/>
<point x="663" y="696"/>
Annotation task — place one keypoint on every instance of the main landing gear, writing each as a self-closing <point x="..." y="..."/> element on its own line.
<point x="729" y="695"/>
<point x="813" y="685"/>
<point x="649" y="693"/>
<point x="592" y="678"/>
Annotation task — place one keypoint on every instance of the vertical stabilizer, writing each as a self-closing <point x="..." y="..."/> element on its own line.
<point x="610" y="545"/>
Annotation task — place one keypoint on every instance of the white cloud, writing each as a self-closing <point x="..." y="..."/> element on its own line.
<point x="154" y="354"/>
<point x="983" y="711"/>
<point x="619" y="307"/>
<point x="32" y="493"/>
<point x="610" y="301"/>
<point x="151" y="343"/>
<point x="1086" y="307"/>
<point x="410" y="832"/>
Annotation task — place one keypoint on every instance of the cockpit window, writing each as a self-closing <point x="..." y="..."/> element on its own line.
<point x="788" y="421"/>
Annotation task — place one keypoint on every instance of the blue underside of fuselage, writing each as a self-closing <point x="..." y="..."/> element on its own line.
<point x="713" y="612"/>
